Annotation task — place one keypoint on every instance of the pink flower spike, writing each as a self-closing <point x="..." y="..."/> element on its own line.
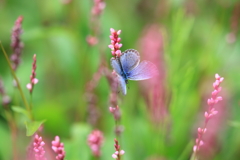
<point x="58" y="148"/>
<point x="33" y="79"/>
<point x="95" y="141"/>
<point x="211" y="112"/>
<point x="115" y="42"/>
<point x="16" y="43"/>
<point x="38" y="148"/>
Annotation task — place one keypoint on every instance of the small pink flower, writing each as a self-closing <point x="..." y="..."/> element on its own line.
<point x="33" y="79"/>
<point x="95" y="141"/>
<point x="115" y="42"/>
<point x="118" y="153"/>
<point x="58" y="148"/>
<point x="38" y="148"/>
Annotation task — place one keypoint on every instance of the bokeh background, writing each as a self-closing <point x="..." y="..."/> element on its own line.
<point x="188" y="40"/>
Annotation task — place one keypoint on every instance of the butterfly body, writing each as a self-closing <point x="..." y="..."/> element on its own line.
<point x="128" y="67"/>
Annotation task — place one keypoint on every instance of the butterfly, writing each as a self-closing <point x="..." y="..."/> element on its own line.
<point x="128" y="67"/>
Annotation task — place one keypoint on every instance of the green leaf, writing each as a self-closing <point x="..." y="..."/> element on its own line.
<point x="32" y="127"/>
<point x="20" y="110"/>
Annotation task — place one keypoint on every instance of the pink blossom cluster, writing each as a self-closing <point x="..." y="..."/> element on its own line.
<point x="16" y="43"/>
<point x="95" y="141"/>
<point x="38" y="148"/>
<point x="118" y="153"/>
<point x="211" y="111"/>
<point x="33" y="79"/>
<point x="115" y="42"/>
<point x="58" y="148"/>
<point x="98" y="7"/>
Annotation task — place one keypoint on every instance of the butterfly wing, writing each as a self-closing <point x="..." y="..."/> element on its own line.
<point x="129" y="60"/>
<point x="144" y="70"/>
<point x="122" y="84"/>
<point x="116" y="65"/>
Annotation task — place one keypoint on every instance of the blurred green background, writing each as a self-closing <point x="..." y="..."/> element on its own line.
<point x="198" y="39"/>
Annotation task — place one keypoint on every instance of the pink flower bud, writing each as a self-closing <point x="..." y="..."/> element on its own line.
<point x="199" y="130"/>
<point x="205" y="130"/>
<point x="111" y="37"/>
<point x="119" y="32"/>
<point x="114" y="156"/>
<point x="112" y="30"/>
<point x="111" y="46"/>
<point x="206" y="115"/>
<point x="214" y="112"/>
<point x="194" y="148"/>
<point x="111" y="109"/>
<point x="214" y="93"/>
<point x="122" y="152"/>
<point x="29" y="86"/>
<point x="196" y="140"/>
<point x="217" y="76"/>
<point x="221" y="79"/>
<point x="219" y="98"/>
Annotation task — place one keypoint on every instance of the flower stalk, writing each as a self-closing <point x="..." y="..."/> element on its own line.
<point x="18" y="84"/>
<point x="208" y="114"/>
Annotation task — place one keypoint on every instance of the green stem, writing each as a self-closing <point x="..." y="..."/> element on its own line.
<point x="18" y="84"/>
<point x="187" y="150"/>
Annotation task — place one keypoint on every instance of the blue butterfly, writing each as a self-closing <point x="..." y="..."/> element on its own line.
<point x="128" y="67"/>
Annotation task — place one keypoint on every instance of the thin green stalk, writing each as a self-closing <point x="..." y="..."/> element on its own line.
<point x="187" y="150"/>
<point x="18" y="84"/>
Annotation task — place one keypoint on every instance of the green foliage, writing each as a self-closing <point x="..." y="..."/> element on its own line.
<point x="32" y="127"/>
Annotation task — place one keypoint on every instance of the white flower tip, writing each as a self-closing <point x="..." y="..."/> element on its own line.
<point x="122" y="152"/>
<point x="217" y="76"/>
<point x="112" y="30"/>
<point x="35" y="80"/>
<point x="194" y="148"/>
<point x="29" y="86"/>
<point x="119" y="32"/>
<point x="114" y="156"/>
